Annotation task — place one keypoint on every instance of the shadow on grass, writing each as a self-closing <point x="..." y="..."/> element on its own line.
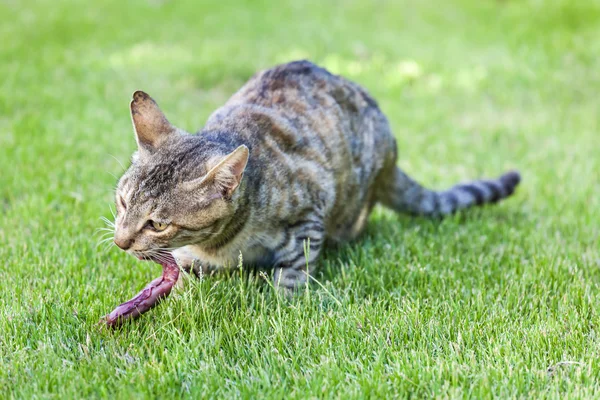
<point x="374" y="262"/>
<point x="389" y="242"/>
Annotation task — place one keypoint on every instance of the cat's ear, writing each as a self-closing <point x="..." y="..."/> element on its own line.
<point x="149" y="123"/>
<point x="227" y="174"/>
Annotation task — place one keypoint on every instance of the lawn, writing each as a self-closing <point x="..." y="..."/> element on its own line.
<point x="497" y="302"/>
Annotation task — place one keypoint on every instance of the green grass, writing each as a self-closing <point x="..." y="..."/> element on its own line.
<point x="479" y="305"/>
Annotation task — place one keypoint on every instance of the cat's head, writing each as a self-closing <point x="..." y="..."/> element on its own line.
<point x="180" y="189"/>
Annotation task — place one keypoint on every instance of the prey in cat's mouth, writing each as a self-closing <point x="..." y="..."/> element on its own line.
<point x="148" y="298"/>
<point x="296" y="158"/>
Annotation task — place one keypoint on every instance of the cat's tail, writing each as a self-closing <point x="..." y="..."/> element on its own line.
<point x="405" y="195"/>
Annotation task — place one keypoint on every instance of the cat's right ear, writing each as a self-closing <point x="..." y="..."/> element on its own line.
<point x="226" y="176"/>
<point x="149" y="123"/>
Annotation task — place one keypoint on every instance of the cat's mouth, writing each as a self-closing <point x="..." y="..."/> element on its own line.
<point x="155" y="255"/>
<point x="142" y="255"/>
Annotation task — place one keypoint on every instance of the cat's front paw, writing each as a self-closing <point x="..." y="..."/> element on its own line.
<point x="290" y="282"/>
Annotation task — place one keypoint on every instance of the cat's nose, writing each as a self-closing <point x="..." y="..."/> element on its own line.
<point x="124" y="244"/>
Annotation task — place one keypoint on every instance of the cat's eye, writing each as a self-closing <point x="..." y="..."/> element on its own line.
<point x="158" y="226"/>
<point x="122" y="202"/>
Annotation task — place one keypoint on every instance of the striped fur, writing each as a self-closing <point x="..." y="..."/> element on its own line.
<point x="407" y="196"/>
<point x="296" y="157"/>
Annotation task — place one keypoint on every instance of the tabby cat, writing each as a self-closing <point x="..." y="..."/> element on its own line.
<point x="296" y="157"/>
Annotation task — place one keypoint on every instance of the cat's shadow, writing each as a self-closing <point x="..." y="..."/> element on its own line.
<point x="382" y="245"/>
<point x="391" y="241"/>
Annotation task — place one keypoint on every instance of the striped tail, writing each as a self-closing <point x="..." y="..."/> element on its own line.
<point x="407" y="196"/>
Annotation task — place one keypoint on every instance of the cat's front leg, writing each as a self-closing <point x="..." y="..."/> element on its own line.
<point x="295" y="257"/>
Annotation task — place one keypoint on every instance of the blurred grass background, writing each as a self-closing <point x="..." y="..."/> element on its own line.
<point x="479" y="305"/>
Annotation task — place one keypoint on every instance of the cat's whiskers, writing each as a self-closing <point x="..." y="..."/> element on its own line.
<point x="108" y="222"/>
<point x="105" y="238"/>
<point x="104" y="235"/>
<point x="118" y="161"/>
<point x="162" y="255"/>
<point x="104" y="231"/>
<point x="113" y="175"/>
<point x="112" y="212"/>
<point x="108" y="240"/>
<point x="137" y="254"/>
<point x="107" y="245"/>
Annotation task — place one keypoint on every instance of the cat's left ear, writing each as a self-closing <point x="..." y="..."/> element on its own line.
<point x="150" y="124"/>
<point x="227" y="175"/>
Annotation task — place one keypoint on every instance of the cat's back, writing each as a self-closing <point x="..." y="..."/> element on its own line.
<point x="303" y="91"/>
<point x="312" y="130"/>
<point x="308" y="110"/>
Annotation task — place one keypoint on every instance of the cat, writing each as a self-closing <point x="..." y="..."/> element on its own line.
<point x="296" y="157"/>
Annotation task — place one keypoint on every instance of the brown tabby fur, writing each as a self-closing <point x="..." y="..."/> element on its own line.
<point x="296" y="156"/>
